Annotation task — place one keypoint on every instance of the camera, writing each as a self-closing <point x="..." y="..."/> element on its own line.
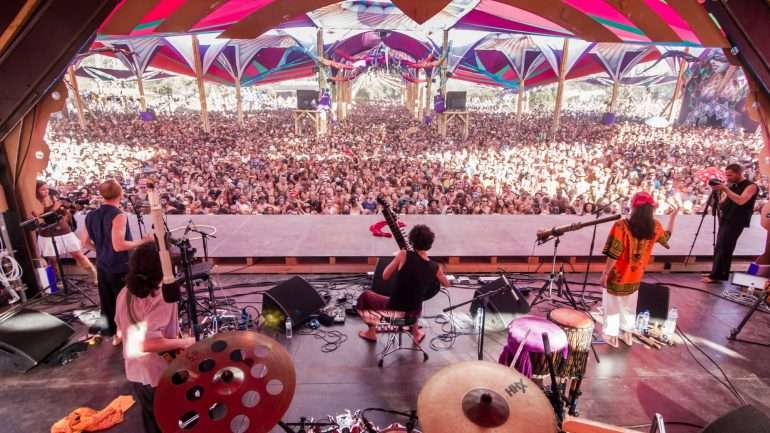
<point x="714" y="181"/>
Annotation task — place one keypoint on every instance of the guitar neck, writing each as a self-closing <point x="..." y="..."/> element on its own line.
<point x="398" y="234"/>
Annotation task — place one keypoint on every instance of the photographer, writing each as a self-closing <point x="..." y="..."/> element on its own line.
<point x="60" y="232"/>
<point x="736" y="205"/>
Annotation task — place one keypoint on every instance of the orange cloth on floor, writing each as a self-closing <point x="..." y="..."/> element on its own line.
<point x="85" y="419"/>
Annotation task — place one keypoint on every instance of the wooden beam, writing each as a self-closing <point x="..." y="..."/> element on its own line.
<point x="76" y="93"/>
<point x="580" y="24"/>
<point x="647" y="20"/>
<point x="520" y="97"/>
<point x="187" y="15"/>
<point x="238" y="101"/>
<point x="445" y="64"/>
<point x="199" y="79"/>
<point x="319" y="36"/>
<point x="140" y="85"/>
<point x="677" y="89"/>
<point x="271" y="16"/>
<point x="560" y="89"/>
<point x="700" y="22"/>
<point x="17" y="23"/>
<point x="613" y="105"/>
<point x="128" y="15"/>
<point x="422" y="10"/>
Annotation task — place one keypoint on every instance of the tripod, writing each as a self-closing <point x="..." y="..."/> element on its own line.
<point x="713" y="202"/>
<point x="556" y="281"/>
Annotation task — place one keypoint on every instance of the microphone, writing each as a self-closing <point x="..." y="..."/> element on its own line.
<point x="188" y="228"/>
<point x="510" y="286"/>
<point x="544" y="235"/>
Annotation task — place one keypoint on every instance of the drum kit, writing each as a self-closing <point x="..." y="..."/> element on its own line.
<point x="244" y="382"/>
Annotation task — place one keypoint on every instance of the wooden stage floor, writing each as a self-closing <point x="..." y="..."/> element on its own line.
<point x="626" y="388"/>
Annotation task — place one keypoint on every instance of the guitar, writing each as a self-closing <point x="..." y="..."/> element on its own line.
<point x="398" y="234"/>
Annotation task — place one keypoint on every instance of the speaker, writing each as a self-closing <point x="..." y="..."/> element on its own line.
<point x="653" y="298"/>
<point x="455" y="101"/>
<point x="294" y="298"/>
<point x="745" y="419"/>
<point x="379" y="285"/>
<point x="27" y="337"/>
<point x="307" y="99"/>
<point x="501" y="308"/>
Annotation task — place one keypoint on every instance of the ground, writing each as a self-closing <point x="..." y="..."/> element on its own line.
<point x="627" y="387"/>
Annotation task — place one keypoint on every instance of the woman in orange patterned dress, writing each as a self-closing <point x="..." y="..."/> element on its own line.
<point x="628" y="250"/>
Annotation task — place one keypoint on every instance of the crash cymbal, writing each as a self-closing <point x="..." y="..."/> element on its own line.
<point x="235" y="382"/>
<point x="483" y="397"/>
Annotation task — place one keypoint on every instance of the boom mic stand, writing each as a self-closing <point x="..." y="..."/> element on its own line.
<point x="591" y="255"/>
<point x="187" y="253"/>
<point x="713" y="203"/>
<point x="139" y="217"/>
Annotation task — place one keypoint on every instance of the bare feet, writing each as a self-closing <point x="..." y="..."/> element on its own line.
<point x="709" y="280"/>
<point x="612" y="341"/>
<point x="628" y="339"/>
<point x="116" y="341"/>
<point x="418" y="335"/>
<point x="368" y="335"/>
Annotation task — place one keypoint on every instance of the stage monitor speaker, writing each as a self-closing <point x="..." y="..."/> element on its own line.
<point x="379" y="285"/>
<point x="653" y="298"/>
<point x="745" y="419"/>
<point x="307" y="99"/>
<point x="455" y="101"/>
<point x="501" y="308"/>
<point x="294" y="298"/>
<point x="27" y="337"/>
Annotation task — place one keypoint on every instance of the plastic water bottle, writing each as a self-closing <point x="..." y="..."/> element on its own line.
<point x="288" y="328"/>
<point x="669" y="327"/>
<point x="646" y="315"/>
<point x="642" y="321"/>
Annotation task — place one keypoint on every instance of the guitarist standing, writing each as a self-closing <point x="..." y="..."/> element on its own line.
<point x="416" y="274"/>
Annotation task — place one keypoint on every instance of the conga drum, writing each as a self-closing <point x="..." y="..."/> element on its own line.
<point x="579" y="328"/>
<point x="532" y="361"/>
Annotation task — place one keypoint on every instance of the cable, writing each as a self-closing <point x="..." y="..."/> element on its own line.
<point x="332" y="340"/>
<point x="10" y="270"/>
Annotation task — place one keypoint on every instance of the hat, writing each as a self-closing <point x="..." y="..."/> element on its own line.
<point x="642" y="198"/>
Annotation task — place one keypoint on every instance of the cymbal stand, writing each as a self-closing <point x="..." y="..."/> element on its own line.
<point x="555" y="281"/>
<point x="205" y="239"/>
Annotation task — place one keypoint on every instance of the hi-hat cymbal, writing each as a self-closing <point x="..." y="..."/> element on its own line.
<point x="235" y="382"/>
<point x="483" y="397"/>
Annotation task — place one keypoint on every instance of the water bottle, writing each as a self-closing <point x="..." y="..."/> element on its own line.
<point x="646" y="316"/>
<point x="288" y="328"/>
<point x="669" y="327"/>
<point x="642" y="321"/>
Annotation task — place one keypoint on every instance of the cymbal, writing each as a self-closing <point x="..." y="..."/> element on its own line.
<point x="483" y="397"/>
<point x="234" y="382"/>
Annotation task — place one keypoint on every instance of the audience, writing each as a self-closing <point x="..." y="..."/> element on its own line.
<point x="507" y="166"/>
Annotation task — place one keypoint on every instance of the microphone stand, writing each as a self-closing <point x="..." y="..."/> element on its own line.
<point x="139" y="216"/>
<point x="484" y="298"/>
<point x="591" y="256"/>
<point x="204" y="237"/>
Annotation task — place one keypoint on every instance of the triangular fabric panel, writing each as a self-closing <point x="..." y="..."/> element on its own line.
<point x="211" y="52"/>
<point x="618" y="59"/>
<point x="552" y="50"/>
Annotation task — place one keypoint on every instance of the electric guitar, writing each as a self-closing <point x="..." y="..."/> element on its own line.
<point x="398" y="234"/>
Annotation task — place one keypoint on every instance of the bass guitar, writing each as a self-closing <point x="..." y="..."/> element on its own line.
<point x="398" y="234"/>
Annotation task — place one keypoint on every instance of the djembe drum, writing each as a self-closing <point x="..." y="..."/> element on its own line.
<point x="579" y="329"/>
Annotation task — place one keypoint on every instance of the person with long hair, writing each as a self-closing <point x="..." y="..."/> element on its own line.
<point x="148" y="327"/>
<point x="67" y="243"/>
<point x="628" y="250"/>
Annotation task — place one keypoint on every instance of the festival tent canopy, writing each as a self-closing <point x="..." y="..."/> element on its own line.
<point x="673" y="22"/>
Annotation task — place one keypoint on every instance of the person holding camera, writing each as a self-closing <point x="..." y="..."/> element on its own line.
<point x="736" y="205"/>
<point x="60" y="231"/>
<point x="108" y="233"/>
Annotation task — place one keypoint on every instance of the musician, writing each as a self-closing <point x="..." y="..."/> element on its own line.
<point x="628" y="250"/>
<point x="736" y="205"/>
<point x="148" y="326"/>
<point x="108" y="233"/>
<point x="416" y="274"/>
<point x="66" y="240"/>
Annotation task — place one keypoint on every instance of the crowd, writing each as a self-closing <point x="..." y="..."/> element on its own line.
<point x="507" y="166"/>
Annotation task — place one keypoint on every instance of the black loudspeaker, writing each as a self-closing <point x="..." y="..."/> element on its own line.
<point x="307" y="99"/>
<point x="379" y="285"/>
<point x="501" y="308"/>
<point x="745" y="419"/>
<point x="653" y="298"/>
<point x="28" y="337"/>
<point x="294" y="298"/>
<point x="455" y="101"/>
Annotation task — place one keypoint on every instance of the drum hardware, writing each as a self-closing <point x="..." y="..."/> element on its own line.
<point x="409" y="426"/>
<point x="762" y="296"/>
<point x="484" y="298"/>
<point x="306" y="426"/>
<point x="234" y="382"/>
<point x="554" y="395"/>
<point x="579" y="328"/>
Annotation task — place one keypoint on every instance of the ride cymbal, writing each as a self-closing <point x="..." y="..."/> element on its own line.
<point x="235" y="382"/>
<point x="483" y="397"/>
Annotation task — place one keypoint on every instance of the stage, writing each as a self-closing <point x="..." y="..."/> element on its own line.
<point x="466" y="243"/>
<point x="626" y="388"/>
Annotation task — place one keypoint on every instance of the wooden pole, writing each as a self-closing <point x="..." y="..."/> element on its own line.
<point x="428" y="86"/>
<point x="520" y="98"/>
<point x="238" y="101"/>
<point x="140" y="84"/>
<point x="76" y="93"/>
<point x="201" y="85"/>
<point x="320" y="51"/>
<point x="560" y="89"/>
<point x="614" y="97"/>
<point x="677" y="89"/>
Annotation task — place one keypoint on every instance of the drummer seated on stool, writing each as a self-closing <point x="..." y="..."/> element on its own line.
<point x="416" y="274"/>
